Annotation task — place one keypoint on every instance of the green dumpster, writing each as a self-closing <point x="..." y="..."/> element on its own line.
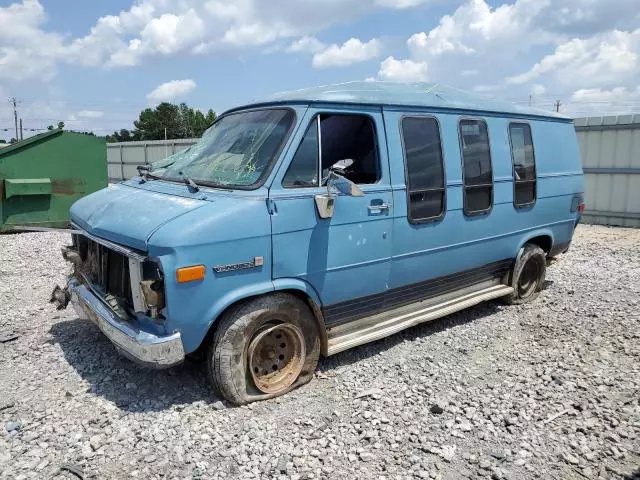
<point x="42" y="176"/>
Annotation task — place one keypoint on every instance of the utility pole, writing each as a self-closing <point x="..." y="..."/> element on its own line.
<point x="15" y="114"/>
<point x="21" y="137"/>
<point x="558" y="105"/>
<point x="165" y="143"/>
<point x="530" y="98"/>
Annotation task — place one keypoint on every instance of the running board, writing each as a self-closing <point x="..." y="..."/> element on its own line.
<point x="369" y="329"/>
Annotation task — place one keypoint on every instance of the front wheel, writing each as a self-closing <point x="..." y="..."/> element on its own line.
<point x="263" y="348"/>
<point x="528" y="275"/>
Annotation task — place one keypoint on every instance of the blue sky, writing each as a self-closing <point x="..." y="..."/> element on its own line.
<point x="95" y="65"/>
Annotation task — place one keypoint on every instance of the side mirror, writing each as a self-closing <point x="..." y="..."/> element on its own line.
<point x="343" y="185"/>
<point x="341" y="166"/>
<point x="325" y="203"/>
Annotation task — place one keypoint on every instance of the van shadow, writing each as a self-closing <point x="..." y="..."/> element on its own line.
<point x="418" y="332"/>
<point x="138" y="389"/>
<point x="131" y="387"/>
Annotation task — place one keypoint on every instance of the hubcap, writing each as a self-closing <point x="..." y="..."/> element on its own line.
<point x="528" y="280"/>
<point x="276" y="357"/>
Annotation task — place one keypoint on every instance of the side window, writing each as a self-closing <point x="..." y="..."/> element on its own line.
<point x="350" y="136"/>
<point x="476" y="161"/>
<point x="425" y="173"/>
<point x="303" y="171"/>
<point x="340" y="137"/>
<point x="524" y="164"/>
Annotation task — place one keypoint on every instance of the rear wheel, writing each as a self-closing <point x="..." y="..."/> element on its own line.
<point x="528" y="275"/>
<point x="263" y="348"/>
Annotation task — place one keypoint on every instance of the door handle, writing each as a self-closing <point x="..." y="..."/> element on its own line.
<point x="379" y="207"/>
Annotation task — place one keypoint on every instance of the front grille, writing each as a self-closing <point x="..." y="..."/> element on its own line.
<point x="106" y="270"/>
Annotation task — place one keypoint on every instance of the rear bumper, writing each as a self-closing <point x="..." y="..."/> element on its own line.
<point x="138" y="345"/>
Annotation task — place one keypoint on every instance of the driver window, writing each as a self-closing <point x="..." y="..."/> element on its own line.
<point x="341" y="137"/>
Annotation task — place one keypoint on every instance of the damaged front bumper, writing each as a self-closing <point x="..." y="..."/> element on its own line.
<point x="141" y="346"/>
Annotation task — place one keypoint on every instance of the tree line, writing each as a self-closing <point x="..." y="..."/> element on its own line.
<point x="166" y="121"/>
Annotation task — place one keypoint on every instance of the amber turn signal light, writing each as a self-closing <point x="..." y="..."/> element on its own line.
<point x="190" y="274"/>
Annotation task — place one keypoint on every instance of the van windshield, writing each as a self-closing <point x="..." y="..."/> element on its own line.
<point x="235" y="151"/>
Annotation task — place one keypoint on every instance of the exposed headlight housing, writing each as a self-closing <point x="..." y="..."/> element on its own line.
<point x="152" y="288"/>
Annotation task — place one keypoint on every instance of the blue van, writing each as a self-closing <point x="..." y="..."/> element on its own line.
<point x="320" y="220"/>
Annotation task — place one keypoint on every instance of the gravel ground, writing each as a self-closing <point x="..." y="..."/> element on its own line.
<point x="547" y="390"/>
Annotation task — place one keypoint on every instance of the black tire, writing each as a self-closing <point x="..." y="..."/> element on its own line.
<point x="527" y="277"/>
<point x="228" y="355"/>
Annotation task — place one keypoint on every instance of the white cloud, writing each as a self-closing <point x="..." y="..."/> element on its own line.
<point x="26" y="51"/>
<point x="475" y="28"/>
<point x="171" y="33"/>
<point x="112" y="39"/>
<point x="402" y="70"/>
<point x="123" y="40"/>
<point x="538" y="89"/>
<point x="520" y="48"/>
<point x="400" y="4"/>
<point x="352" y="51"/>
<point x="602" y="59"/>
<point x="559" y="46"/>
<point x="89" y="114"/>
<point x="255" y="34"/>
<point x="486" y="88"/>
<point x="598" y="101"/>
<point x="306" y="44"/>
<point x="161" y="27"/>
<point x="170" y="90"/>
<point x="600" y="95"/>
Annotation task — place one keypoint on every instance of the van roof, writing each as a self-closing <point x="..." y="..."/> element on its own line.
<point x="430" y="95"/>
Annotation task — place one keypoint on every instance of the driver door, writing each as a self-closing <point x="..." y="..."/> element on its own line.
<point x="345" y="258"/>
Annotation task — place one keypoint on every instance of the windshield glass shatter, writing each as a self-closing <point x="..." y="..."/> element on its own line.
<point x="236" y="151"/>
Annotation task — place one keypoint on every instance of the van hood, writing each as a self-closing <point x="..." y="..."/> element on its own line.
<point x="129" y="215"/>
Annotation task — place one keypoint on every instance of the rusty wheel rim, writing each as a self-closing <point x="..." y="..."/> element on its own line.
<point x="276" y="357"/>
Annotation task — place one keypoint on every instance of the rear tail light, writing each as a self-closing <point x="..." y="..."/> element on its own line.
<point x="577" y="203"/>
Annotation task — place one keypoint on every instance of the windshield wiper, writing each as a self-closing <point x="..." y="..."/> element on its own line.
<point x="193" y="185"/>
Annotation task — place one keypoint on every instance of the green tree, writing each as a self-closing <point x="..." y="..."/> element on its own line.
<point x="180" y="121"/>
<point x="194" y="122"/>
<point x="60" y="125"/>
<point x="123" y="135"/>
<point x="211" y="117"/>
<point x="153" y="124"/>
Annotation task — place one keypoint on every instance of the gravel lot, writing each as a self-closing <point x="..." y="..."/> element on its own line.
<point x="547" y="390"/>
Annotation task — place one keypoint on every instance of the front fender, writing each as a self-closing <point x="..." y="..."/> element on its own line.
<point x="239" y="294"/>
<point x="280" y="284"/>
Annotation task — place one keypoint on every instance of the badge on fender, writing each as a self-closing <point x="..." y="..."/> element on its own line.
<point x="232" y="267"/>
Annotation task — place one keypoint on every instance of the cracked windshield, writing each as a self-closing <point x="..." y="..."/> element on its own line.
<point x="235" y="151"/>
